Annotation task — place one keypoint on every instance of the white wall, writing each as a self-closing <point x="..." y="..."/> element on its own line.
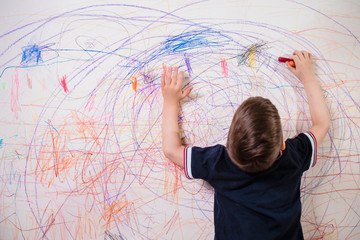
<point x="84" y="161"/>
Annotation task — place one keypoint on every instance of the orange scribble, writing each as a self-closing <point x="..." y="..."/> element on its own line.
<point x="172" y="182"/>
<point x="56" y="161"/>
<point x="84" y="228"/>
<point x="29" y="81"/>
<point x="327" y="230"/>
<point x="117" y="210"/>
<point x="134" y="83"/>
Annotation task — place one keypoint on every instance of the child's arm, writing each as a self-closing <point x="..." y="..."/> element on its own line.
<point x="171" y="90"/>
<point x="320" y="116"/>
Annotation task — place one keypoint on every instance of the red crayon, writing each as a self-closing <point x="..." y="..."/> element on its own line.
<point x="291" y="61"/>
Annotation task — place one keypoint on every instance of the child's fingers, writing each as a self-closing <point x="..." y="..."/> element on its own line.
<point x="292" y="69"/>
<point x="175" y="75"/>
<point x="305" y="54"/>
<point x="296" y="59"/>
<point x="162" y="80"/>
<point x="186" y="92"/>
<point x="298" y="54"/>
<point x="180" y="78"/>
<point x="168" y="76"/>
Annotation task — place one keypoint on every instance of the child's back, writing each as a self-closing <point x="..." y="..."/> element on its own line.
<point x="264" y="205"/>
<point x="257" y="175"/>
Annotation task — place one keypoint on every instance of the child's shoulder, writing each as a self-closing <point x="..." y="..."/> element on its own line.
<point x="301" y="140"/>
<point x="302" y="148"/>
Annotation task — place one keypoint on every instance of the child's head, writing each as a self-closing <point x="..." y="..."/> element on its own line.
<point x="255" y="135"/>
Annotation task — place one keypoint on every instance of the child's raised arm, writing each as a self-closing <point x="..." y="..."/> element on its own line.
<point x="320" y="117"/>
<point x="171" y="87"/>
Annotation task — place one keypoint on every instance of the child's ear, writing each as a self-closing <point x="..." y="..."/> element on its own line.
<point x="283" y="146"/>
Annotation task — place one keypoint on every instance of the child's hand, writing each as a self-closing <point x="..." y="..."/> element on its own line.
<point x="304" y="66"/>
<point x="171" y="84"/>
<point x="320" y="117"/>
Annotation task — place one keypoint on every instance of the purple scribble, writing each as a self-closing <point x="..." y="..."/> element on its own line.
<point x="187" y="62"/>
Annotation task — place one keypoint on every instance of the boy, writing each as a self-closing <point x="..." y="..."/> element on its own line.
<point x="256" y="177"/>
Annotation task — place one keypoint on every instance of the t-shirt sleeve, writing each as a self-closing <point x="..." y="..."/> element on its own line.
<point x="305" y="149"/>
<point x="200" y="162"/>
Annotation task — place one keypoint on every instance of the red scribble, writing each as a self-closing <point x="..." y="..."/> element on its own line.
<point x="224" y="67"/>
<point x="63" y="84"/>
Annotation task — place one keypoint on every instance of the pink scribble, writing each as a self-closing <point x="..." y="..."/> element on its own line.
<point x="224" y="67"/>
<point x="90" y="104"/>
<point x="63" y="84"/>
<point x="14" y="101"/>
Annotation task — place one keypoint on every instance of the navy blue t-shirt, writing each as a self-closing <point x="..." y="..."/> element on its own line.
<point x="263" y="205"/>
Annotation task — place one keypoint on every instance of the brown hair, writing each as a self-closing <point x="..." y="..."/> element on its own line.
<point x="255" y="135"/>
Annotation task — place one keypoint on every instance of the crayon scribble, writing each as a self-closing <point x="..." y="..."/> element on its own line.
<point x="31" y="54"/>
<point x="63" y="84"/>
<point x="29" y="82"/>
<point x="224" y="67"/>
<point x="190" y="40"/>
<point x="14" y="101"/>
<point x="188" y="66"/>
<point x="88" y="164"/>
<point x="134" y="83"/>
<point x="249" y="54"/>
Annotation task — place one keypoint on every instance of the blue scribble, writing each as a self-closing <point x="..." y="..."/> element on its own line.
<point x="1" y="141"/>
<point x="52" y="127"/>
<point x="191" y="40"/>
<point x="31" y="54"/>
